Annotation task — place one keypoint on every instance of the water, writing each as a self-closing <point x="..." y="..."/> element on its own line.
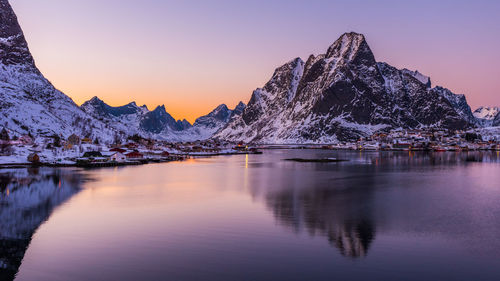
<point x="380" y="216"/>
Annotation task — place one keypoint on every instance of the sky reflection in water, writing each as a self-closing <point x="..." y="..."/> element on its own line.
<point x="381" y="215"/>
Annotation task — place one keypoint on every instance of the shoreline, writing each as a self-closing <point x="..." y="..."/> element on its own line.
<point x="182" y="157"/>
<point x="136" y="162"/>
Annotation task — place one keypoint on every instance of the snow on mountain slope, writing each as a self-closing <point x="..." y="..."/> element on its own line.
<point x="419" y="76"/>
<point x="342" y="95"/>
<point x="206" y="126"/>
<point x="486" y="116"/>
<point x="487" y="113"/>
<point x="29" y="103"/>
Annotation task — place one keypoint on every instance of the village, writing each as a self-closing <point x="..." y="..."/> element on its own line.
<point x="423" y="140"/>
<point x="85" y="152"/>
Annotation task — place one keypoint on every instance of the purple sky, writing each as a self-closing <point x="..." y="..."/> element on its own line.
<point x="193" y="55"/>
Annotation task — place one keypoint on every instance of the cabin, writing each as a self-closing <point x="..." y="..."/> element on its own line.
<point x="118" y="157"/>
<point x="74" y="139"/>
<point x="34" y="158"/>
<point x="87" y="141"/>
<point x="134" y="155"/>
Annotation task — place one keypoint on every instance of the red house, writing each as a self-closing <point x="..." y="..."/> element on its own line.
<point x="121" y="150"/>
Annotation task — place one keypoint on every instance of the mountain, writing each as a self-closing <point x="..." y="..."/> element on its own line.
<point x="29" y="103"/>
<point x="486" y="116"/>
<point x="159" y="124"/>
<point x="342" y="95"/>
<point x="206" y="126"/>
<point x="496" y="121"/>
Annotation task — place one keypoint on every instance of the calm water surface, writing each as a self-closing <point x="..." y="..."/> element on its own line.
<point x="380" y="216"/>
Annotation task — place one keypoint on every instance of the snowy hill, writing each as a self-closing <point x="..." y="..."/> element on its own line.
<point x="29" y="103"/>
<point x="342" y="95"/>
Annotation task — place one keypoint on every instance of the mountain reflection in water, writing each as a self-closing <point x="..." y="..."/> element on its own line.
<point x="27" y="198"/>
<point x="380" y="215"/>
<point x="341" y="209"/>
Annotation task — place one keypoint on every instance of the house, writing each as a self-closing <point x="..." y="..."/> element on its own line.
<point x="74" y="139"/>
<point x="118" y="157"/>
<point x="34" y="158"/>
<point x="87" y="141"/>
<point x="165" y="154"/>
<point x="117" y="149"/>
<point x="134" y="155"/>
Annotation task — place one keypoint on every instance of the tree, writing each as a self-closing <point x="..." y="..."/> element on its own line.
<point x="57" y="140"/>
<point x="96" y="141"/>
<point x="4" y="135"/>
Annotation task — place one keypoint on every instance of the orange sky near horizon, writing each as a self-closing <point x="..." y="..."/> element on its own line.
<point x="193" y="57"/>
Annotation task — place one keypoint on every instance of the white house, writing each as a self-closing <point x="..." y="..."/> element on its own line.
<point x="118" y="157"/>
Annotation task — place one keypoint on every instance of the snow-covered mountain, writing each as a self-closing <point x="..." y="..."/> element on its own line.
<point x="342" y="95"/>
<point x="29" y="103"/>
<point x="159" y="124"/>
<point x="486" y="116"/>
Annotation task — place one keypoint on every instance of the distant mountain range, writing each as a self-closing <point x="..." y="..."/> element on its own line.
<point x="337" y="96"/>
<point x="159" y="124"/>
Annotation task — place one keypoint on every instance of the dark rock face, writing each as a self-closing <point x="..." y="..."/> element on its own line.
<point x="13" y="46"/>
<point x="183" y="124"/>
<point x="157" y="120"/>
<point x="238" y="110"/>
<point x="102" y="109"/>
<point x="496" y="121"/>
<point x="342" y="95"/>
<point x="221" y="114"/>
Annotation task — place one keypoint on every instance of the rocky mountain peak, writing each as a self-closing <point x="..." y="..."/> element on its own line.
<point x="351" y="47"/>
<point x="13" y="46"/>
<point x="238" y="110"/>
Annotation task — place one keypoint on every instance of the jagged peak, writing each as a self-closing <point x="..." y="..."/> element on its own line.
<point x="240" y="105"/>
<point x="160" y="108"/>
<point x="351" y="46"/>
<point x="95" y="99"/>
<point x="221" y="107"/>
<point x="288" y="66"/>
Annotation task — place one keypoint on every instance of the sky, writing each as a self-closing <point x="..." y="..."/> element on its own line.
<point x="194" y="55"/>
